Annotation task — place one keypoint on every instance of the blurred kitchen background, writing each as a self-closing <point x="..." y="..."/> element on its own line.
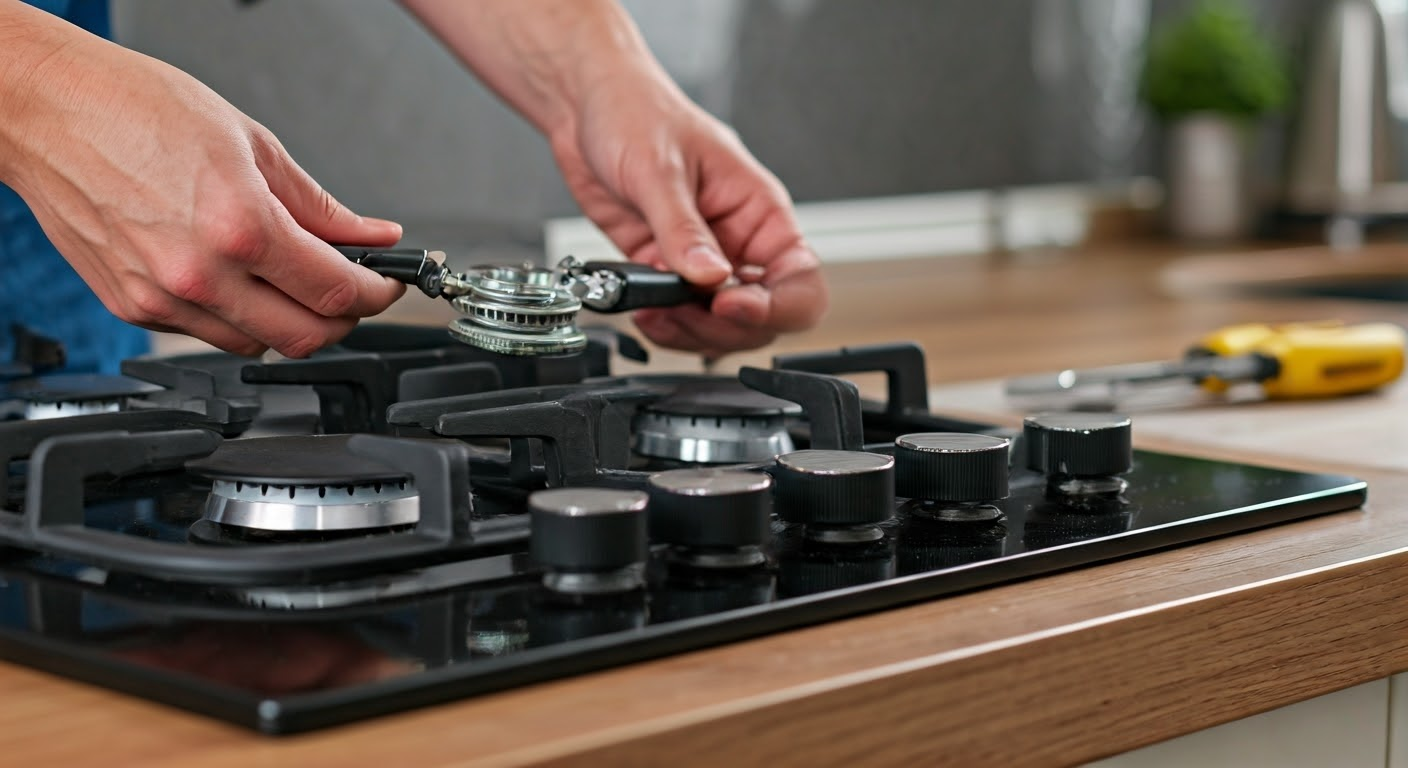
<point x="843" y="99"/>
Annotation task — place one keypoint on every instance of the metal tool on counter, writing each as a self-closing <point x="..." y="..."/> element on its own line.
<point x="528" y="310"/>
<point x="1298" y="360"/>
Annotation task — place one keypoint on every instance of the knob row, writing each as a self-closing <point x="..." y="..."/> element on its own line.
<point x="712" y="510"/>
<point x="601" y="529"/>
<point x="593" y="529"/>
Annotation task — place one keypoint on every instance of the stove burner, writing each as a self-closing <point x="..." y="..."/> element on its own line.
<point x="715" y="421"/>
<point x="311" y="508"/>
<point x="303" y="484"/>
<point x="70" y="394"/>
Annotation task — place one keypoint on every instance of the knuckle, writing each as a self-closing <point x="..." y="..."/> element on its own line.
<point x="725" y="131"/>
<point x="147" y="304"/>
<point x="314" y="337"/>
<point x="668" y="165"/>
<point x="266" y="145"/>
<point x="338" y="300"/>
<point x="644" y="172"/>
<point x="239" y="237"/>
<point x="776" y="191"/>
<point x="189" y="283"/>
<point x="264" y="137"/>
<point x="304" y="344"/>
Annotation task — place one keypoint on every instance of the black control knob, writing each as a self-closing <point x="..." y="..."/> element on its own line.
<point x="835" y="488"/>
<point x="589" y="540"/>
<point x="1079" y="444"/>
<point x="951" y="466"/>
<point x="711" y="511"/>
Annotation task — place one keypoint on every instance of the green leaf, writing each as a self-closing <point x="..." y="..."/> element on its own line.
<point x="1214" y="59"/>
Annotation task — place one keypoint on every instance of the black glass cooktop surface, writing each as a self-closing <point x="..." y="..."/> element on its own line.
<point x="298" y="656"/>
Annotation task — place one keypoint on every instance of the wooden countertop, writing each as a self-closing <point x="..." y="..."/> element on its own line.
<point x="1056" y="670"/>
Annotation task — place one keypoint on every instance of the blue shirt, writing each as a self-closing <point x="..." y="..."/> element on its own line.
<point x="37" y="287"/>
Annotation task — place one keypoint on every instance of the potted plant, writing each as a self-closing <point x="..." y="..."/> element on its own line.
<point x="1209" y="75"/>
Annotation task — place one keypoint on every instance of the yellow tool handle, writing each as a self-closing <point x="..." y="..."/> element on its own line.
<point x="1314" y="359"/>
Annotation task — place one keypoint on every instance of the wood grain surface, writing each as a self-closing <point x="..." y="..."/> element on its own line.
<point x="1052" y="671"/>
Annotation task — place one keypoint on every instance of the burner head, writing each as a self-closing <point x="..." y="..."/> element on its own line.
<point x="70" y="394"/>
<point x="517" y="311"/>
<point x="303" y="484"/>
<point x="715" y="421"/>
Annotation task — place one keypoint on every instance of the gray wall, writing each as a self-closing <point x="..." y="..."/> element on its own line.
<point x="840" y="97"/>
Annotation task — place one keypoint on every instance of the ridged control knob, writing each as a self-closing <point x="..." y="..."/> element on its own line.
<point x="1079" y="444"/>
<point x="588" y="530"/>
<point x="835" y="488"/>
<point x="951" y="466"/>
<point x="710" y="508"/>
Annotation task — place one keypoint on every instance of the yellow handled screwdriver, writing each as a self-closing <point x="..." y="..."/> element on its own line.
<point x="1294" y="360"/>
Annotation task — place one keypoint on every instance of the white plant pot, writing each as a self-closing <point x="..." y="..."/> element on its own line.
<point x="1208" y="172"/>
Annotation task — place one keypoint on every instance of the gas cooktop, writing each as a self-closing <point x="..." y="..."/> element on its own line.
<point x="404" y="520"/>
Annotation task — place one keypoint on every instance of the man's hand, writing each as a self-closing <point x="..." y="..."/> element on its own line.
<point x="669" y="184"/>
<point x="675" y="189"/>
<point x="181" y="212"/>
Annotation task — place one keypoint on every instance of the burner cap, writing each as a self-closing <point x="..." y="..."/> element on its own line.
<point x="711" y="397"/>
<point x="303" y="484"/>
<point x="71" y="394"/>
<point x="74" y="388"/>
<point x="301" y="460"/>
<point x="715" y="421"/>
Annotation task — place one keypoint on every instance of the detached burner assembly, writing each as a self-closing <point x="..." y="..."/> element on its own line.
<point x="528" y="310"/>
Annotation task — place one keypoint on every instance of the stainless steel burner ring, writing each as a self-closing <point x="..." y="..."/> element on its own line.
<point x="59" y="410"/>
<point x="300" y="509"/>
<point x="711" y="440"/>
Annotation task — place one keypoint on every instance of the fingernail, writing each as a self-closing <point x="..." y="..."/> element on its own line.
<point x="748" y="314"/>
<point x="704" y="259"/>
<point x="753" y="311"/>
<point x="793" y="261"/>
<point x="741" y="314"/>
<point x="751" y="273"/>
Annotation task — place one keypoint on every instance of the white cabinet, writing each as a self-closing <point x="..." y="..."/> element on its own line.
<point x="1398" y="722"/>
<point x="1346" y="729"/>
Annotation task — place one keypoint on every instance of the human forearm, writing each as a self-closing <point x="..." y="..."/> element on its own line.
<point x="30" y="42"/>
<point x="543" y="57"/>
